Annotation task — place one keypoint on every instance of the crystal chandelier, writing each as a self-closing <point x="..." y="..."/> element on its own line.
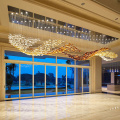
<point x="21" y="42"/>
<point x="49" y="47"/>
<point x="107" y="56"/>
<point x="26" y="44"/>
<point x="38" y="37"/>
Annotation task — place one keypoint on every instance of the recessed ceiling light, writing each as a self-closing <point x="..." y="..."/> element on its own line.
<point x="82" y="3"/>
<point x="116" y="18"/>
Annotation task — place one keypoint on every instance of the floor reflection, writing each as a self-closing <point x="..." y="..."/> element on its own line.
<point x="76" y="107"/>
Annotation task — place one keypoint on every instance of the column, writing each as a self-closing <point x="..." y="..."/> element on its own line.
<point x="2" y="81"/>
<point x="96" y="74"/>
<point x="112" y="77"/>
<point x="0" y="71"/>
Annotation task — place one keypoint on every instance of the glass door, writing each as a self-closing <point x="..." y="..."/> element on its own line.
<point x="26" y="80"/>
<point x="50" y="80"/>
<point x="61" y="80"/>
<point x="70" y="80"/>
<point x="20" y="79"/>
<point x="39" y="80"/>
<point x="12" y="80"/>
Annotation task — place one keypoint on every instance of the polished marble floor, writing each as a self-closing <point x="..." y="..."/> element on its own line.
<point x="77" y="107"/>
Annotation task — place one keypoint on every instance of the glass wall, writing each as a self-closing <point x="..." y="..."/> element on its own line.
<point x="12" y="80"/>
<point x="39" y="80"/>
<point x="70" y="80"/>
<point x="26" y="80"/>
<point x="11" y="55"/>
<point x="50" y="80"/>
<point x="45" y="58"/>
<point x="61" y="80"/>
<point x="83" y="63"/>
<point x="85" y="80"/>
<point x="63" y="60"/>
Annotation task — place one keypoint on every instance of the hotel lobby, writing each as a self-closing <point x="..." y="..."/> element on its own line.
<point x="59" y="59"/>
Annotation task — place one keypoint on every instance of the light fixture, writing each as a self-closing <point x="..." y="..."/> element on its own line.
<point x="21" y="42"/>
<point x="82" y="3"/>
<point x="49" y="40"/>
<point x="85" y="56"/>
<point x="116" y="18"/>
<point x="25" y="44"/>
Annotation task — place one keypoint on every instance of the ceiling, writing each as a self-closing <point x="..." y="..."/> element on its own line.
<point x="90" y="10"/>
<point x="97" y="15"/>
<point x="113" y="5"/>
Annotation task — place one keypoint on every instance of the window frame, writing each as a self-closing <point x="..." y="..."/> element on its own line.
<point x="43" y="63"/>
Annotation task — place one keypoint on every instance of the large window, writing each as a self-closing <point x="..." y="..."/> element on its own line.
<point x="44" y="76"/>
<point x="45" y="58"/>
<point x="70" y="80"/>
<point x="11" y="55"/>
<point x="50" y="80"/>
<point x="83" y="63"/>
<point x="63" y="60"/>
<point x="26" y="80"/>
<point x="39" y="80"/>
<point x="12" y="80"/>
<point x="61" y="80"/>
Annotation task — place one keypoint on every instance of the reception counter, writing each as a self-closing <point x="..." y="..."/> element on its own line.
<point x="113" y="87"/>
